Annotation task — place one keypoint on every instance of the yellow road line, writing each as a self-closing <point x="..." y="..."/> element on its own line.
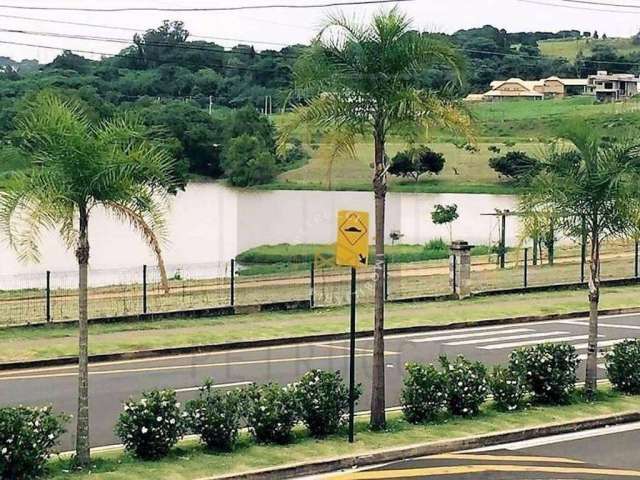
<point x="501" y="458"/>
<point x="466" y="469"/>
<point x="184" y="367"/>
<point x="340" y="347"/>
<point x="167" y="357"/>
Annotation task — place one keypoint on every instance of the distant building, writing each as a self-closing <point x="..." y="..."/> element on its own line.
<point x="611" y="87"/>
<point x="518" y="89"/>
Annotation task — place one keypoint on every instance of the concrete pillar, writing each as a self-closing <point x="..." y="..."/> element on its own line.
<point x="460" y="269"/>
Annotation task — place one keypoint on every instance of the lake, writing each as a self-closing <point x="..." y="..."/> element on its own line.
<point x="210" y="223"/>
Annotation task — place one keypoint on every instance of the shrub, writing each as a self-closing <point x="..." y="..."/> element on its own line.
<point x="248" y="162"/>
<point x="27" y="436"/>
<point x="415" y="162"/>
<point x="516" y="165"/>
<point x="323" y="399"/>
<point x="510" y="391"/>
<point x="424" y="394"/>
<point x="151" y="426"/>
<point x="271" y="412"/>
<point x="467" y="385"/>
<point x="623" y="366"/>
<point x="215" y="416"/>
<point x="549" y="369"/>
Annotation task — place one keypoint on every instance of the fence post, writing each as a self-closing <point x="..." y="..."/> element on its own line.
<point x="637" y="267"/>
<point x="144" y="289"/>
<point x="48" y="295"/>
<point x="313" y="284"/>
<point x="386" y="279"/>
<point x="455" y="278"/>
<point x="503" y="241"/>
<point x="233" y="282"/>
<point x="526" y="267"/>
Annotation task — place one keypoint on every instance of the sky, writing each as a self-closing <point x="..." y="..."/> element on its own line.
<point x="279" y="27"/>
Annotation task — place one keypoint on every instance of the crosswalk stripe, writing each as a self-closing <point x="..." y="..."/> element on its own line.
<point x="502" y="339"/>
<point x="499" y="346"/>
<point x="584" y="356"/>
<point x="469" y="335"/>
<point x="606" y="343"/>
<point x="606" y="325"/>
<point x="452" y="330"/>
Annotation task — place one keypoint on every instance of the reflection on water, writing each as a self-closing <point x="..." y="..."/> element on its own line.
<point x="209" y="224"/>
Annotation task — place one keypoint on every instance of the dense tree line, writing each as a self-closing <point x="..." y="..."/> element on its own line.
<point x="188" y="90"/>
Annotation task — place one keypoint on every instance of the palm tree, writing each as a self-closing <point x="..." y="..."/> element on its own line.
<point x="363" y="80"/>
<point x="593" y="190"/>
<point x="78" y="167"/>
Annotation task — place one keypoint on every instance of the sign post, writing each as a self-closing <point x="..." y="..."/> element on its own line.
<point x="352" y="250"/>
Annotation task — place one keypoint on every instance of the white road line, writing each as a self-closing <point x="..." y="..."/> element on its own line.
<point x="566" y="437"/>
<point x="584" y="356"/>
<point x="605" y="325"/>
<point x="183" y="367"/>
<point x="458" y="330"/>
<point x="502" y="339"/>
<point x="469" y="335"/>
<point x="499" y="346"/>
<point x="220" y="385"/>
<point x="606" y="343"/>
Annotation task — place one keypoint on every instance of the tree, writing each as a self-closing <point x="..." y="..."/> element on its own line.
<point x="78" y="167"/>
<point x="445" y="215"/>
<point x="515" y="165"/>
<point x="248" y="162"/>
<point x="361" y="80"/>
<point x="593" y="188"/>
<point x="416" y="162"/>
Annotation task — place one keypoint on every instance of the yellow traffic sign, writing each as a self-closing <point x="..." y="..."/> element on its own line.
<point x="352" y="247"/>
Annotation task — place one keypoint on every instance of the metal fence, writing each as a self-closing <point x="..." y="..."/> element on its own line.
<point x="53" y="296"/>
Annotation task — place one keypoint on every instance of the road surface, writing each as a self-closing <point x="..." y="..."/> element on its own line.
<point x="113" y="383"/>
<point x="604" y="454"/>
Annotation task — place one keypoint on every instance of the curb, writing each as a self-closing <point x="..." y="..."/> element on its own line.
<point x="393" y="455"/>
<point x="290" y="341"/>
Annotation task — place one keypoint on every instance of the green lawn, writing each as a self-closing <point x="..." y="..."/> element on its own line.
<point x="54" y="341"/>
<point x="190" y="461"/>
<point x="569" y="48"/>
<point x="464" y="171"/>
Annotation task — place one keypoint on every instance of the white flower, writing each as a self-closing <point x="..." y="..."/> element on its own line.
<point x="4" y="450"/>
<point x="144" y="430"/>
<point x="158" y="419"/>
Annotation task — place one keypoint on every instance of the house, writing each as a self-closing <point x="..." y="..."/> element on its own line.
<point x="610" y="87"/>
<point x="518" y="89"/>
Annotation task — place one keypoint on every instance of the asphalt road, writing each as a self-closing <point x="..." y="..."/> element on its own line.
<point x="606" y="453"/>
<point x="113" y="383"/>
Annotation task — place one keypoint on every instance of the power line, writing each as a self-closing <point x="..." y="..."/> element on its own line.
<point x="182" y="46"/>
<point x="576" y="7"/>
<point x="211" y="9"/>
<point x="137" y="30"/>
<point x="604" y="4"/>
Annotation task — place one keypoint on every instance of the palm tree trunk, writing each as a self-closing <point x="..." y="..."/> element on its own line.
<point x="82" y="254"/>
<point x="378" y="417"/>
<point x="594" y="299"/>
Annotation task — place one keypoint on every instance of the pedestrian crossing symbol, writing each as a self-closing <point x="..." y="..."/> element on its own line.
<point x="352" y="247"/>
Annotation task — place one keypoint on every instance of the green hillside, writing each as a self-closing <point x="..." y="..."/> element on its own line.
<point x="568" y="48"/>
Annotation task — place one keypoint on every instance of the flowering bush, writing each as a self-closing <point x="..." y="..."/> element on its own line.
<point x="623" y="366"/>
<point x="27" y="436"/>
<point x="549" y="369"/>
<point x="323" y="399"/>
<point x="149" y="427"/>
<point x="271" y="412"/>
<point x="510" y="391"/>
<point x="215" y="416"/>
<point x="424" y="394"/>
<point x="467" y="385"/>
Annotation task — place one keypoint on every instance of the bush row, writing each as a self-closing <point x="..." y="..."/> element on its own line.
<point x="544" y="373"/>
<point x="151" y="426"/>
